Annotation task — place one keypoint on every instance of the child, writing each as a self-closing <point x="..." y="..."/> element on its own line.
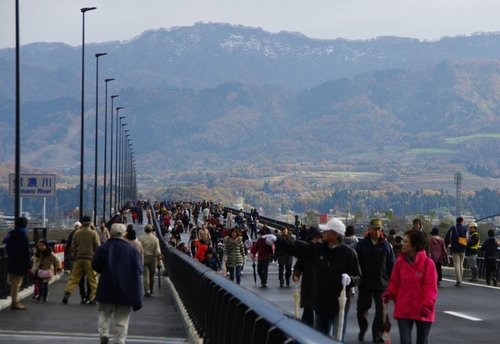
<point x="220" y="252"/>
<point x="200" y="250"/>
<point x="211" y="260"/>
<point x="44" y="260"/>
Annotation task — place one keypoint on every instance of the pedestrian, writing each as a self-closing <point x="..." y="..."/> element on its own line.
<point x="68" y="260"/>
<point x="201" y="250"/>
<point x="45" y="263"/>
<point x="264" y="255"/>
<point x="119" y="291"/>
<point x="211" y="260"/>
<point x="152" y="256"/>
<point x="303" y="268"/>
<point x="458" y="237"/>
<point x="413" y="287"/>
<point x="334" y="265"/>
<point x="417" y="224"/>
<point x="234" y="254"/>
<point x="83" y="246"/>
<point x="19" y="262"/>
<point x="220" y="252"/>
<point x="398" y="246"/>
<point x="284" y="259"/>
<point x="439" y="254"/>
<point x="132" y="240"/>
<point x="471" y="250"/>
<point x="103" y="232"/>
<point x="350" y="239"/>
<point x="376" y="260"/>
<point x="391" y="238"/>
<point x="489" y="250"/>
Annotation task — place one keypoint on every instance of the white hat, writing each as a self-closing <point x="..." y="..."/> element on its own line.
<point x="77" y="223"/>
<point x="334" y="225"/>
<point x="118" y="229"/>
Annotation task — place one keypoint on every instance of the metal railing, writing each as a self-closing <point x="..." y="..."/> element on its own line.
<point x="223" y="312"/>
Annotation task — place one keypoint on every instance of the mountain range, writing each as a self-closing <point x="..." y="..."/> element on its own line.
<point x="233" y="101"/>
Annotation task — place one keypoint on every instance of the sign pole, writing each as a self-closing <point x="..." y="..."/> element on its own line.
<point x="44" y="208"/>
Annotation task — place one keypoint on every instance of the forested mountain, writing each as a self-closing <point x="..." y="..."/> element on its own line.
<point x="207" y="55"/>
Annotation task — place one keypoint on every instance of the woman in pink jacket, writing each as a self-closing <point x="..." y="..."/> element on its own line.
<point x="413" y="287"/>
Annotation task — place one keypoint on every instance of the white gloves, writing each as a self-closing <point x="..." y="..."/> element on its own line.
<point x="346" y="280"/>
<point x="270" y="238"/>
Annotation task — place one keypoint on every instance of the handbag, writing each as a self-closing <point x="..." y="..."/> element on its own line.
<point x="45" y="273"/>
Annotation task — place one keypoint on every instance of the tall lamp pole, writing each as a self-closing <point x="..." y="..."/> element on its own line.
<point x="96" y="128"/>
<point x="118" y="160"/>
<point x="111" y="162"/>
<point x="105" y="147"/>
<point x="82" y="142"/>
<point x="122" y="165"/>
<point x="125" y="169"/>
<point x="118" y="125"/>
<point x="17" y="191"/>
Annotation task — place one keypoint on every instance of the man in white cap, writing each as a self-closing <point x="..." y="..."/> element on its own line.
<point x="334" y="265"/>
<point x="119" y="265"/>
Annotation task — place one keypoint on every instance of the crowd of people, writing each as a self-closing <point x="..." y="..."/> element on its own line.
<point x="329" y="258"/>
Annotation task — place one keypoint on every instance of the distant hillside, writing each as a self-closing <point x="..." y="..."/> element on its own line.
<point x="207" y="55"/>
<point x="439" y="119"/>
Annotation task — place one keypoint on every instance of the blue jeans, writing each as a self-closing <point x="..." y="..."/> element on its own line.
<point x="405" y="328"/>
<point x="328" y="323"/>
<point x="232" y="271"/>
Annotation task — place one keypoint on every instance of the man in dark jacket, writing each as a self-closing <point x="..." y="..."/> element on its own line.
<point x="334" y="265"/>
<point x="458" y="237"/>
<point x="376" y="260"/>
<point x="119" y="287"/>
<point x="19" y="262"/>
<point x="304" y="268"/>
<point x="264" y="253"/>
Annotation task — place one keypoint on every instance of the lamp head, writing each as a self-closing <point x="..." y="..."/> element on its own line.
<point x="106" y="80"/>
<point x="115" y="96"/>
<point x="100" y="54"/>
<point x="119" y="107"/>
<point x="85" y="9"/>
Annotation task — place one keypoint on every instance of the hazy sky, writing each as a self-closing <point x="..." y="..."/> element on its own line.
<point x="60" y="20"/>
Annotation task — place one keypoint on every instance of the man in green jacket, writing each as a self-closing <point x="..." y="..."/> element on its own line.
<point x="85" y="243"/>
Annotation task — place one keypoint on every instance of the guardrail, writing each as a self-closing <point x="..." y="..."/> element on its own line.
<point x="223" y="312"/>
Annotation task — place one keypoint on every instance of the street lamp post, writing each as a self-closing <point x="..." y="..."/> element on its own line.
<point x="96" y="129"/>
<point x="105" y="146"/>
<point x="118" y="149"/>
<point x="82" y="142"/>
<point x="122" y="165"/>
<point x="125" y="168"/>
<point x="17" y="188"/>
<point x="118" y="125"/>
<point x="111" y="159"/>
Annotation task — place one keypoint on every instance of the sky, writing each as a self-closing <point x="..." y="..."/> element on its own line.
<point x="61" y="20"/>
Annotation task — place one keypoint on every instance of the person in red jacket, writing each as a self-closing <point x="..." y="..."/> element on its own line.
<point x="413" y="286"/>
<point x="264" y="253"/>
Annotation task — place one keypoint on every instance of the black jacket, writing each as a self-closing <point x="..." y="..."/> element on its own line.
<point x="18" y="250"/>
<point x="329" y="264"/>
<point x="376" y="262"/>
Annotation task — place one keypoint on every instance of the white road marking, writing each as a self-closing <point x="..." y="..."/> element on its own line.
<point x="472" y="283"/>
<point x="460" y="315"/>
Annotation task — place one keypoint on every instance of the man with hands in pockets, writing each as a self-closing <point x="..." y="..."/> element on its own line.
<point x="334" y="264"/>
